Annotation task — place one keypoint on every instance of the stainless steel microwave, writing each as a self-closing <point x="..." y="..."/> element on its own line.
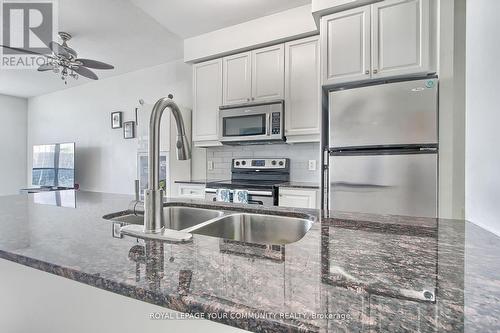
<point x="252" y="123"/>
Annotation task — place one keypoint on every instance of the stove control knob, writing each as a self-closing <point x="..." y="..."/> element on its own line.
<point x="237" y="163"/>
<point x="273" y="162"/>
<point x="243" y="162"/>
<point x="281" y="163"/>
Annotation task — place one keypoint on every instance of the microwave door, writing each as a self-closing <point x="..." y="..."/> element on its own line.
<point x="251" y="124"/>
<point x="237" y="127"/>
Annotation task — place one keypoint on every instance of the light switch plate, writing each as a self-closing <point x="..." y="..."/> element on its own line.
<point x="312" y="165"/>
<point x="210" y="165"/>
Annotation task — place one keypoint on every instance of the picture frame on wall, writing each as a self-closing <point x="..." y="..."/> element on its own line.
<point x="116" y="119"/>
<point x="129" y="130"/>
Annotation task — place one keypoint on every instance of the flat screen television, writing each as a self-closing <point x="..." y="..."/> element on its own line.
<point x="54" y="165"/>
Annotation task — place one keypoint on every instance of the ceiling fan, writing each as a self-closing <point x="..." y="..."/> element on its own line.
<point x="64" y="60"/>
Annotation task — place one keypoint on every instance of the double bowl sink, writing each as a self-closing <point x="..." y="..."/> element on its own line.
<point x="232" y="225"/>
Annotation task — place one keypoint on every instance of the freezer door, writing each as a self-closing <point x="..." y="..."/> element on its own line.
<point x="384" y="184"/>
<point x="399" y="113"/>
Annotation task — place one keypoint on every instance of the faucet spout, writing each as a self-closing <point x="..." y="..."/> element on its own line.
<point x="153" y="196"/>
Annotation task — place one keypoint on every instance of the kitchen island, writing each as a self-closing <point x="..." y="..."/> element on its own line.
<point x="352" y="273"/>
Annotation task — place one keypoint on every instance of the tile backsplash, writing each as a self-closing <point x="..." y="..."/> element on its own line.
<point x="299" y="155"/>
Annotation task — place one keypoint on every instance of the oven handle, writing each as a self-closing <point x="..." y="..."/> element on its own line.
<point x="258" y="193"/>
<point x="252" y="202"/>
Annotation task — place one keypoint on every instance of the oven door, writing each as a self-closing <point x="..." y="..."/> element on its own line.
<point x="251" y="123"/>
<point x="262" y="198"/>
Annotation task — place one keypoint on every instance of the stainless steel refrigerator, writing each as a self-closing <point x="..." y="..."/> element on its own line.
<point x="383" y="149"/>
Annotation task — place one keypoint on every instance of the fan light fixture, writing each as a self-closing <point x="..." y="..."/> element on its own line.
<point x="64" y="61"/>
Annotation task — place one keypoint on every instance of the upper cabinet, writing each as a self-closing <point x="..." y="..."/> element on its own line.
<point x="268" y="73"/>
<point x="346" y="46"/>
<point x="254" y="76"/>
<point x="207" y="97"/>
<point x="237" y="78"/>
<point x="387" y="39"/>
<point x="401" y="40"/>
<point x="302" y="90"/>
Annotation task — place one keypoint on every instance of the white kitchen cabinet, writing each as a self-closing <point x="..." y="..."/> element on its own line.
<point x="401" y="38"/>
<point x="346" y="46"/>
<point x="254" y="76"/>
<point x="191" y="191"/>
<point x="237" y="81"/>
<point x="298" y="198"/>
<point x="302" y="90"/>
<point x="268" y="73"/>
<point x="207" y="97"/>
<point x="386" y="39"/>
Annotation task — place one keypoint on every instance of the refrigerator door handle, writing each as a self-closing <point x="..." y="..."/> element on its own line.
<point x="360" y="185"/>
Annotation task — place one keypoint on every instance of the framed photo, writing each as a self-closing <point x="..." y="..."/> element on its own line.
<point x="129" y="130"/>
<point x="116" y="119"/>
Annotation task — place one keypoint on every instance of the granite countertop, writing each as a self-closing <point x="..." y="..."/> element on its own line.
<point x="306" y="185"/>
<point x="349" y="273"/>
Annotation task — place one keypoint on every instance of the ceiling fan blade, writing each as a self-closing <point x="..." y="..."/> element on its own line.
<point x="59" y="49"/>
<point x="21" y="50"/>
<point x="46" y="67"/>
<point x="94" y="64"/>
<point x="70" y="51"/>
<point x="85" y="72"/>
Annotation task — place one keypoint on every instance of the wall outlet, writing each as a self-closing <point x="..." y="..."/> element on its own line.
<point x="312" y="165"/>
<point x="210" y="165"/>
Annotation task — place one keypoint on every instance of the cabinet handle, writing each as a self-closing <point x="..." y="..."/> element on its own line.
<point x="375" y="71"/>
<point x="367" y="72"/>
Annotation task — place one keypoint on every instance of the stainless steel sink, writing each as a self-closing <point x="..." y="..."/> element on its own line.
<point x="176" y="217"/>
<point x="256" y="228"/>
<point x="182" y="221"/>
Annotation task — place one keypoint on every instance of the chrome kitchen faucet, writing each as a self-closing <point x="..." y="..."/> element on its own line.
<point x="153" y="196"/>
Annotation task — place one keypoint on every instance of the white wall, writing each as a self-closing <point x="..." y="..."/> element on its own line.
<point x="13" y="118"/>
<point x="286" y="25"/>
<point x="105" y="162"/>
<point x="483" y="114"/>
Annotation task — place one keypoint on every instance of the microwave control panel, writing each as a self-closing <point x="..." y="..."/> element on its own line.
<point x="276" y="123"/>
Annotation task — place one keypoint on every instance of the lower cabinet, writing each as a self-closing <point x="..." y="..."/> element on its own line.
<point x="298" y="198"/>
<point x="191" y="191"/>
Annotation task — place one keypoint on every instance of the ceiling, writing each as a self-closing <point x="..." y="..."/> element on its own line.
<point x="135" y="34"/>
<point x="188" y="18"/>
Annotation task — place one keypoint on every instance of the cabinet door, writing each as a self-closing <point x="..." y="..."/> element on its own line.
<point x="302" y="90"/>
<point x="346" y="46"/>
<point x="237" y="80"/>
<point x="401" y="38"/>
<point x="268" y="73"/>
<point x="207" y="97"/>
<point x="297" y="198"/>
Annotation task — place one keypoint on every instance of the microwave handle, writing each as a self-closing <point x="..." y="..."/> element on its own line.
<point x="268" y="124"/>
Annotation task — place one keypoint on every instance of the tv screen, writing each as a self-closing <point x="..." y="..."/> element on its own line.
<point x="54" y="165"/>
